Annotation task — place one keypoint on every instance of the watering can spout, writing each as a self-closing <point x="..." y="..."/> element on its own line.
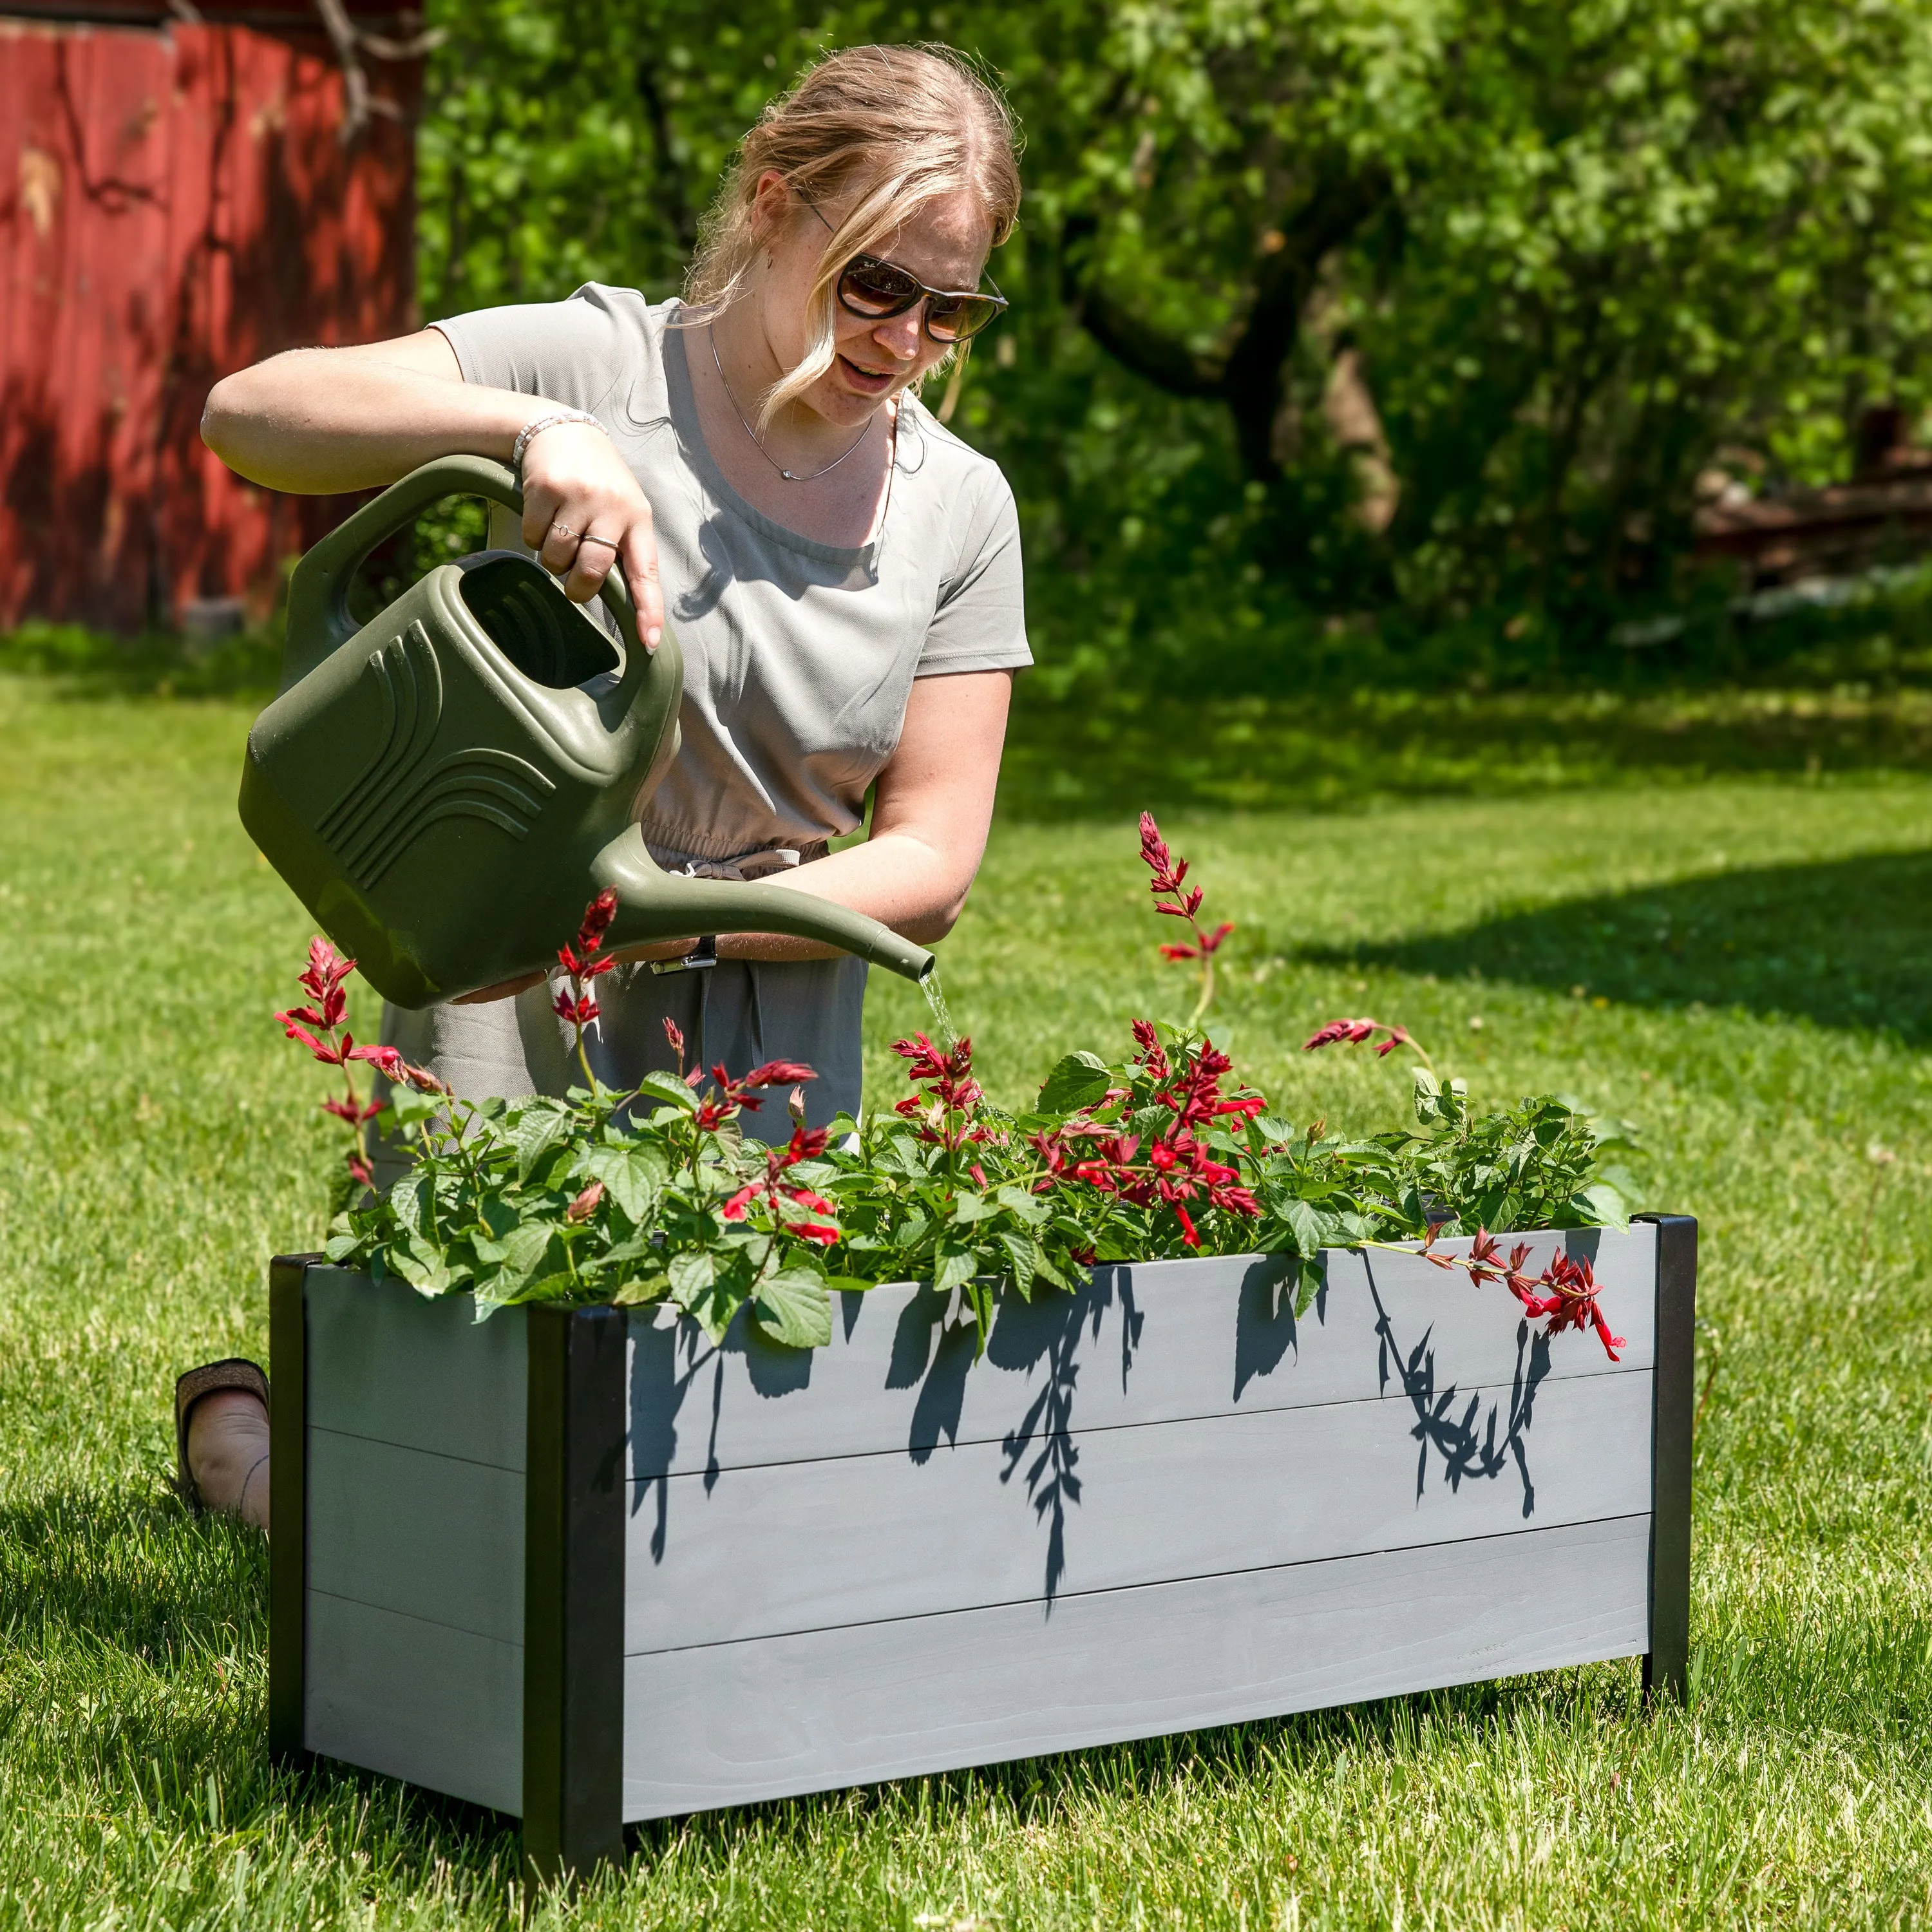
<point x="653" y="905"/>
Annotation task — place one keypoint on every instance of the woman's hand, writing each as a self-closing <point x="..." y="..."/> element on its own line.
<point x="584" y="511"/>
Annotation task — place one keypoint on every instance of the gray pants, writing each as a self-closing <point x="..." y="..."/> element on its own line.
<point x="739" y="1013"/>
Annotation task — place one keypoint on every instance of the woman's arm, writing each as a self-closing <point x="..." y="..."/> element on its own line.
<point x="931" y="813"/>
<point x="322" y="421"/>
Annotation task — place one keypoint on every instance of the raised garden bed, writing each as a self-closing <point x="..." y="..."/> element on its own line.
<point x="579" y="1566"/>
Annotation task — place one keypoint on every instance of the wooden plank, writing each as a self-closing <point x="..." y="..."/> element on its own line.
<point x="1154" y="1343"/>
<point x="732" y="1723"/>
<point x="386" y="1364"/>
<point x="805" y="1545"/>
<point x="427" y="1536"/>
<point x="414" y="1699"/>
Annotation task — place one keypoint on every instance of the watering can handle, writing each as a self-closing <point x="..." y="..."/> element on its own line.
<point x="318" y="618"/>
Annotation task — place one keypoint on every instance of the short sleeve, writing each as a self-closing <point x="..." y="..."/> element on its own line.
<point x="980" y="621"/>
<point x="574" y="353"/>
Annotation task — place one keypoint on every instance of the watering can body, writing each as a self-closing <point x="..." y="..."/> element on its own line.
<point x="446" y="787"/>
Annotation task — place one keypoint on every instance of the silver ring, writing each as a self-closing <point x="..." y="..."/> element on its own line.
<point x="563" y="530"/>
<point x="588" y="538"/>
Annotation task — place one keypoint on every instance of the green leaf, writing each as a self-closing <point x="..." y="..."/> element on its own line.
<point x="794" y="1306"/>
<point x="968" y="1207"/>
<point x="1310" y="1229"/>
<point x="1033" y="1209"/>
<point x="691" y="1272"/>
<point x="954" y="1265"/>
<point x="667" y="1087"/>
<point x="516" y="1257"/>
<point x="1077" y="1081"/>
<point x="539" y="1126"/>
<point x="407" y="1108"/>
<point x="1607" y="1203"/>
<point x="641" y="1288"/>
<point x="625" y="1172"/>
<point x="1272" y="1127"/>
<point x="1311" y="1275"/>
<point x="1024" y="1255"/>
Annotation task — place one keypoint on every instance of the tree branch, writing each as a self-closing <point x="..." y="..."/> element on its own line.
<point x="1248" y="380"/>
<point x="1167" y="363"/>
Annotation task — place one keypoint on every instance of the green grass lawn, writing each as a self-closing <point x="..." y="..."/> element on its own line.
<point x="1739" y="963"/>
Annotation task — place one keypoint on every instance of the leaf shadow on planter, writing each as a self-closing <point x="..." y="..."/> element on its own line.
<point x="1468" y="1443"/>
<point x="660" y="1386"/>
<point x="1841" y="943"/>
<point x="1043" y="1334"/>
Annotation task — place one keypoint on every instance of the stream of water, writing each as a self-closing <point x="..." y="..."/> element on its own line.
<point x="935" y="998"/>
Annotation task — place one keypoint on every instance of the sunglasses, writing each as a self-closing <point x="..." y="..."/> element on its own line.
<point x="876" y="290"/>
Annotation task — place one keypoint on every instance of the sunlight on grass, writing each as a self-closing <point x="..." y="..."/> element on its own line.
<point x="1737" y="966"/>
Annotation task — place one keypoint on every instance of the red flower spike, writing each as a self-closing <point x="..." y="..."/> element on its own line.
<point x="597" y="917"/>
<point x="674" y="1034"/>
<point x="329" y="1054"/>
<point x="1187" y="1233"/>
<point x="778" y="1073"/>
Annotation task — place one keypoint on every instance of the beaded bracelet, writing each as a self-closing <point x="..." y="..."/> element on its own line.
<point x="537" y="426"/>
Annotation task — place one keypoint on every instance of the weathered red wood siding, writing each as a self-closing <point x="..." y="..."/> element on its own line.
<point x="175" y="204"/>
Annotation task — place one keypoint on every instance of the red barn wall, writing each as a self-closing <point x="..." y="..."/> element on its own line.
<point x="177" y="204"/>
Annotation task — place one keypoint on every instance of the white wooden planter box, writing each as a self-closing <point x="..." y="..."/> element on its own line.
<point x="586" y="1569"/>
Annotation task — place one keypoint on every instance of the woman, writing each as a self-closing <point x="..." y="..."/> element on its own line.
<point x="843" y="575"/>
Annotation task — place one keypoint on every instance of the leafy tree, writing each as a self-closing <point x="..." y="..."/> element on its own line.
<point x="1542" y="264"/>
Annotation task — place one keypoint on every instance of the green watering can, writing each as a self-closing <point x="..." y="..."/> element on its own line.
<point x="444" y="795"/>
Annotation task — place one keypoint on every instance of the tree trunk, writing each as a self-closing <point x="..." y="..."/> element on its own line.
<point x="1247" y="376"/>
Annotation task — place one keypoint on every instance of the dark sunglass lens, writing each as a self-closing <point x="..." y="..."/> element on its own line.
<point x="878" y="289"/>
<point x="953" y="318"/>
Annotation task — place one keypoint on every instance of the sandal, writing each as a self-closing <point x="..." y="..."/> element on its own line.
<point x="235" y="1371"/>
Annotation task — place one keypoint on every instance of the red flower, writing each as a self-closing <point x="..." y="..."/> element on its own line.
<point x="674" y="1034"/>
<point x="585" y="1205"/>
<point x="323" y="978"/>
<point x="351" y="1112"/>
<point x="1172" y="898"/>
<point x="1187" y="1233"/>
<point x="946" y="1112"/>
<point x="806" y="1144"/>
<point x="778" y="1073"/>
<point x="575" y="1012"/>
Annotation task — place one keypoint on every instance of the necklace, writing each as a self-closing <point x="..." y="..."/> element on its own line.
<point x="789" y="476"/>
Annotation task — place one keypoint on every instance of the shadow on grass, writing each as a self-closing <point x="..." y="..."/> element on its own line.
<point x="1334" y="752"/>
<point x="1845" y="942"/>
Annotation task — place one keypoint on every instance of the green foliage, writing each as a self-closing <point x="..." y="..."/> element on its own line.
<point x="648" y="1196"/>
<point x="1578" y="254"/>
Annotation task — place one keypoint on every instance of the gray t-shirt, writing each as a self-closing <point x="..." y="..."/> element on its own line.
<point x="798" y="656"/>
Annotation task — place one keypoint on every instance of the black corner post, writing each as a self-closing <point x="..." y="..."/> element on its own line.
<point x="288" y="1505"/>
<point x="574" y="1593"/>
<point x="1667" y="1666"/>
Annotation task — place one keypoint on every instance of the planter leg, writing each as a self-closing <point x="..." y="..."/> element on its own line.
<point x="1666" y="1665"/>
<point x="288" y="1507"/>
<point x="574" y="1593"/>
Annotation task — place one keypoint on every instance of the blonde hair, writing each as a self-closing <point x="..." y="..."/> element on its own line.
<point x="903" y="124"/>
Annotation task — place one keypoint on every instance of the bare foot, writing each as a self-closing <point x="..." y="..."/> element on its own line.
<point x="228" y="1455"/>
